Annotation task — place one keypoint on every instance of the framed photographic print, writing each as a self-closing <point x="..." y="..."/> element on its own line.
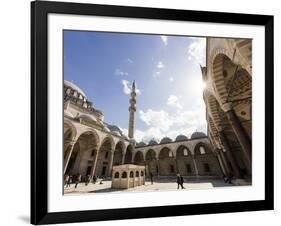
<point x="144" y="112"/>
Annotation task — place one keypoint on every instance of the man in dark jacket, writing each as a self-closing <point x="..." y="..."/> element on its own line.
<point x="151" y="178"/>
<point x="180" y="181"/>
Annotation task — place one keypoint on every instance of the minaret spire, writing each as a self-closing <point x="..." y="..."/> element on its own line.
<point x="132" y="109"/>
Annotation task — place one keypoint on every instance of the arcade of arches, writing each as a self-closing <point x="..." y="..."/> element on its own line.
<point x="228" y="99"/>
<point x="84" y="155"/>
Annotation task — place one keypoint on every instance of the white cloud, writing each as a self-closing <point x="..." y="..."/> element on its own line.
<point x="160" y="65"/>
<point x="197" y="50"/>
<point x="171" y="79"/>
<point x="164" y="39"/>
<point x="159" y="119"/>
<point x="127" y="87"/>
<point x="120" y="73"/>
<point x="174" y="102"/>
<point x="161" y="123"/>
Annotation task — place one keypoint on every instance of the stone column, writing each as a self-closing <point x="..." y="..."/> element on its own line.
<point x="225" y="163"/>
<point x="176" y="162"/>
<point x="95" y="159"/>
<point x="110" y="163"/>
<point x="67" y="157"/>
<point x="195" y="166"/>
<point x="221" y="164"/>
<point x="241" y="135"/>
<point x="157" y="166"/>
<point x="229" y="155"/>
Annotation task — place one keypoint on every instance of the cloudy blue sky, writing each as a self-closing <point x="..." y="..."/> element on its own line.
<point x="166" y="70"/>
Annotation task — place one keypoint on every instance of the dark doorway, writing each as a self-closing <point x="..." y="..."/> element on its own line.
<point x="89" y="170"/>
<point x="103" y="170"/>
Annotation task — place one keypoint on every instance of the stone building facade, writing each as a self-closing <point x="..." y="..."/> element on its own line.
<point x="228" y="99"/>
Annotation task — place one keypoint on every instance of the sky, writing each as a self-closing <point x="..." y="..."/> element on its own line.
<point x="167" y="74"/>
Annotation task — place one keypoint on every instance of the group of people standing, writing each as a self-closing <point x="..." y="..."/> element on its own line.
<point x="78" y="178"/>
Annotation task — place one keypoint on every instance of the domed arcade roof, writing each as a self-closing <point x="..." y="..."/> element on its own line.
<point x="115" y="130"/>
<point x="181" y="138"/>
<point x="198" y="135"/>
<point x="141" y="144"/>
<point x="87" y="117"/>
<point x="152" y="142"/>
<point x="166" y="140"/>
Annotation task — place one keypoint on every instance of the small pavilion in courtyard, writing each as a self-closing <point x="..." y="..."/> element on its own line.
<point x="127" y="176"/>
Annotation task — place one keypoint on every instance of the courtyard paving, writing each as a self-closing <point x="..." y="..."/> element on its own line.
<point x="156" y="186"/>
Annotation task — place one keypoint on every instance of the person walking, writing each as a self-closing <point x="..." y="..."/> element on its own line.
<point x="88" y="179"/>
<point x="69" y="181"/>
<point x="180" y="181"/>
<point x="78" y="180"/>
<point x="94" y="179"/>
<point x="151" y="178"/>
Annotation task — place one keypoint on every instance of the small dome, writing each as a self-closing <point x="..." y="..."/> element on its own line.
<point x="181" y="138"/>
<point x="75" y="87"/>
<point x="116" y="133"/>
<point x="166" y="140"/>
<point x="115" y="130"/>
<point x="152" y="142"/>
<point x="198" y="135"/>
<point x="87" y="117"/>
<point x="141" y="144"/>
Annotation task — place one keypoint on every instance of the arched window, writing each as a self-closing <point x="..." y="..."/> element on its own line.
<point x="131" y="174"/>
<point x="124" y="175"/>
<point x="185" y="152"/>
<point x="116" y="175"/>
<point x="68" y="91"/>
<point x="170" y="154"/>
<point x="202" y="150"/>
<point x="142" y="173"/>
<point x="137" y="174"/>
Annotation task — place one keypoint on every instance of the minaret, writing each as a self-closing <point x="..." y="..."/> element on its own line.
<point x="132" y="110"/>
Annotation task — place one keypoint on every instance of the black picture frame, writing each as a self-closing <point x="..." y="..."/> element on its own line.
<point x="39" y="112"/>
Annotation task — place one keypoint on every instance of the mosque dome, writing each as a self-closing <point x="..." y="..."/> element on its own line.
<point x="198" y="135"/>
<point x="87" y="117"/>
<point x="166" y="140"/>
<point x="152" y="142"/>
<point x="141" y="144"/>
<point x="181" y="138"/>
<point x="115" y="130"/>
<point x="74" y="87"/>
